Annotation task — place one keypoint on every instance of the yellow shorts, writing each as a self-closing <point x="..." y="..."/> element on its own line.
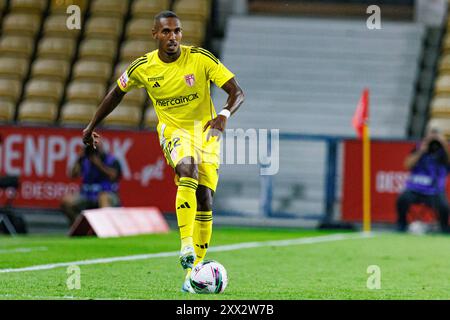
<point x="178" y="144"/>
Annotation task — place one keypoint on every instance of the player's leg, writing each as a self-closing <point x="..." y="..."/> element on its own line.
<point x="108" y="199"/>
<point x="186" y="207"/>
<point x="404" y="202"/>
<point x="203" y="222"/>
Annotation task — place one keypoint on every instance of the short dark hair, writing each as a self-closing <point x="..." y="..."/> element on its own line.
<point x="165" y="14"/>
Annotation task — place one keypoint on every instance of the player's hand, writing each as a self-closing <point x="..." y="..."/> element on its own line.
<point x="91" y="138"/>
<point x="217" y="126"/>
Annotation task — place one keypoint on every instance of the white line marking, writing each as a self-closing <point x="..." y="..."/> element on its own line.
<point x="231" y="247"/>
<point x="23" y="250"/>
<point x="29" y="296"/>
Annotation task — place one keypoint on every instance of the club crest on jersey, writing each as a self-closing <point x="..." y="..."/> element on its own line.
<point x="124" y="79"/>
<point x="190" y="79"/>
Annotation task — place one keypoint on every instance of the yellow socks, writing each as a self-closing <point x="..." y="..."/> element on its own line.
<point x="186" y="208"/>
<point x="202" y="234"/>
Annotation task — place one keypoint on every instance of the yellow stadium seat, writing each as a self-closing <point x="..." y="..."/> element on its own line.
<point x="16" y="46"/>
<point x="124" y="116"/>
<point x="150" y="118"/>
<point x="81" y="91"/>
<point x="444" y="64"/>
<point x="56" y="26"/>
<point x="446" y="44"/>
<point x="28" y="6"/>
<point x="20" y="24"/>
<point x="442" y="85"/>
<point x="56" y="48"/>
<point x="99" y="50"/>
<point x="109" y="8"/>
<point x="140" y="29"/>
<point x="98" y="71"/>
<point x="37" y="111"/>
<point x="60" y="6"/>
<point x="135" y="98"/>
<point x="44" y="90"/>
<point x="148" y="8"/>
<point x="50" y="69"/>
<point x="10" y="89"/>
<point x="103" y="28"/>
<point x="133" y="49"/>
<point x="441" y="123"/>
<point x="77" y="113"/>
<point x="13" y="68"/>
<point x="440" y="106"/>
<point x="7" y="108"/>
<point x="193" y="9"/>
<point x="193" y="32"/>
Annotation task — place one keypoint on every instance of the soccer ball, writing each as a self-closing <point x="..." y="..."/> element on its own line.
<point x="209" y="277"/>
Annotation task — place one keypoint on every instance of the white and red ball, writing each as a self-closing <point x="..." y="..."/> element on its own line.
<point x="209" y="277"/>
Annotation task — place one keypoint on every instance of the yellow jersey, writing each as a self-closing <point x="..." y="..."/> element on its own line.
<point x="180" y="90"/>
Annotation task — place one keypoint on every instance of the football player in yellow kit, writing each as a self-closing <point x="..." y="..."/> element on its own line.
<point x="177" y="79"/>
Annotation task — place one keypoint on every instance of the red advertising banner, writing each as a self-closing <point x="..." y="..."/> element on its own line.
<point x="388" y="176"/>
<point x="42" y="158"/>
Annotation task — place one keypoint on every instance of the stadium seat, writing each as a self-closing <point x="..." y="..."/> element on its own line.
<point x="446" y="44"/>
<point x="77" y="113"/>
<point x="37" y="111"/>
<point x="85" y="92"/>
<point x="7" y="108"/>
<point x="44" y="90"/>
<point x="441" y="123"/>
<point x="140" y="29"/>
<point x="135" y="98"/>
<point x="60" y="7"/>
<point x="28" y="6"/>
<point x="50" y="69"/>
<point x="55" y="26"/>
<point x="193" y="9"/>
<point x="10" y="89"/>
<point x="442" y="85"/>
<point x="148" y="8"/>
<point x="444" y="64"/>
<point x="20" y="24"/>
<point x="440" y="107"/>
<point x="13" y="68"/>
<point x="133" y="49"/>
<point x="193" y="32"/>
<point x="56" y="48"/>
<point x="150" y="118"/>
<point x="99" y="50"/>
<point x="103" y="28"/>
<point x="16" y="46"/>
<point x="124" y="116"/>
<point x="109" y="8"/>
<point x="97" y="71"/>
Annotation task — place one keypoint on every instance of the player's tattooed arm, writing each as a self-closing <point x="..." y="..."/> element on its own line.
<point x="234" y="101"/>
<point x="108" y="104"/>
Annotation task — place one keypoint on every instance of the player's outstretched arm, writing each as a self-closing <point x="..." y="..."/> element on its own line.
<point x="235" y="99"/>
<point x="108" y="104"/>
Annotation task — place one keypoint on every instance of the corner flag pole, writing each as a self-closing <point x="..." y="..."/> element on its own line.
<point x="366" y="179"/>
<point x="360" y="122"/>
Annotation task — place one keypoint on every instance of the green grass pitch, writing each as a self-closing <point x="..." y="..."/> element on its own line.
<point x="411" y="267"/>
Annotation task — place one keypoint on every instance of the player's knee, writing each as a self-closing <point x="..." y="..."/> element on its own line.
<point x="187" y="169"/>
<point x="204" y="199"/>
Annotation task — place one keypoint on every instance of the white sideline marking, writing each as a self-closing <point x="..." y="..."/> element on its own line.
<point x="29" y="296"/>
<point x="231" y="247"/>
<point x="23" y="250"/>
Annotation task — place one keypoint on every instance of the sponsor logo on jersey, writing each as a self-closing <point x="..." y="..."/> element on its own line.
<point x="155" y="79"/>
<point x="176" y="100"/>
<point x="124" y="79"/>
<point x="190" y="79"/>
